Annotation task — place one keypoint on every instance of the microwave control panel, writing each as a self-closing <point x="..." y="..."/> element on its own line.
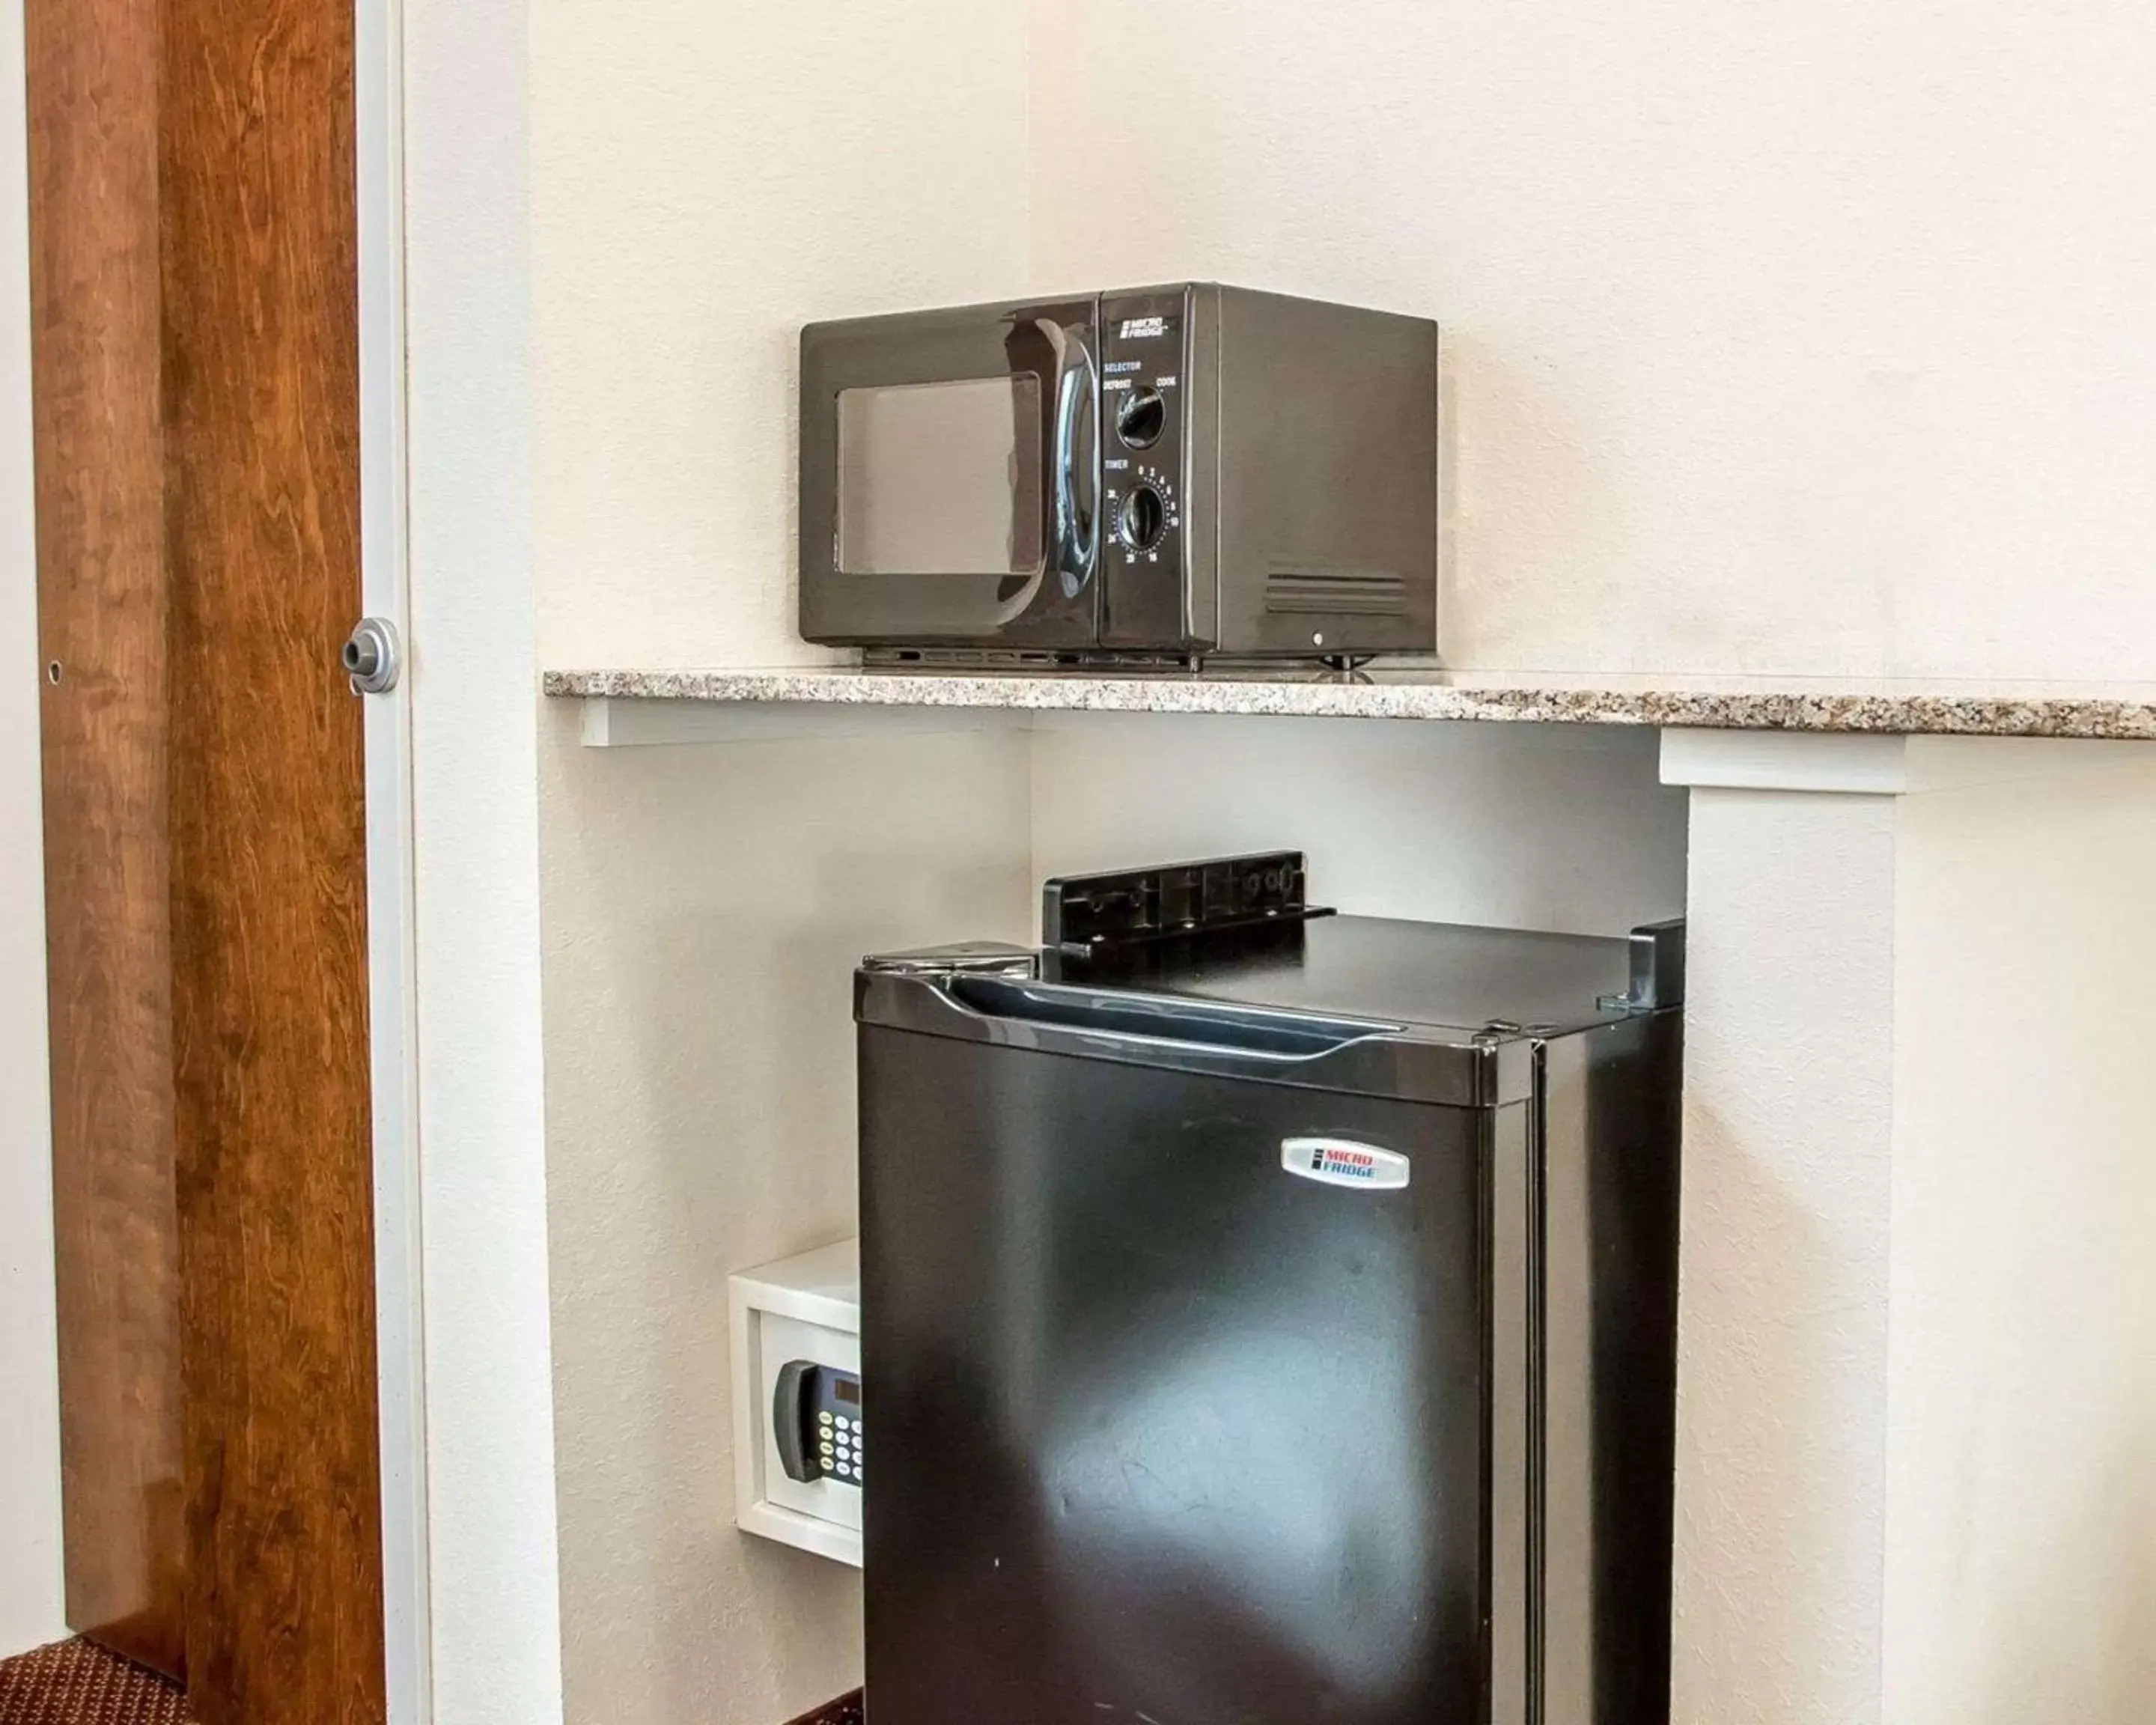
<point x="1143" y="440"/>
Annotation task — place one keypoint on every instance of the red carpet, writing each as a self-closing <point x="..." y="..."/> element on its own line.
<point x="74" y="1683"/>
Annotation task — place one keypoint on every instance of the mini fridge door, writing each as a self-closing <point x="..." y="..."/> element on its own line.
<point x="1179" y="1379"/>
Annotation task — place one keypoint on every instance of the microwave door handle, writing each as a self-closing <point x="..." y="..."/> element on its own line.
<point x="1077" y="516"/>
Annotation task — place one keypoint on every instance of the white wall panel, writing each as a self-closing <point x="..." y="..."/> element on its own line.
<point x="2021" y="1453"/>
<point x="1795" y="340"/>
<point x="1776" y="341"/>
<point x="496" y="1641"/>
<point x="705" y="908"/>
<point x="1782" y="1329"/>
<point x="705" y="180"/>
<point x="1565" y="828"/>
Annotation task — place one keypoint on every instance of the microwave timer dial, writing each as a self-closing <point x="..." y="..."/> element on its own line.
<point x="1145" y="513"/>
<point x="1142" y="519"/>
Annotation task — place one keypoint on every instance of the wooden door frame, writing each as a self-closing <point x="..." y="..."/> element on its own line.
<point x="203" y="208"/>
<point x="92" y="80"/>
<point x="255" y="123"/>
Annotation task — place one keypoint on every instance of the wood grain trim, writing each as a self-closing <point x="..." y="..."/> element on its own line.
<point x="93" y="70"/>
<point x="268" y="838"/>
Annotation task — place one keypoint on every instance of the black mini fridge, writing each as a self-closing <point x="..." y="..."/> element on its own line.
<point x="1269" y="1318"/>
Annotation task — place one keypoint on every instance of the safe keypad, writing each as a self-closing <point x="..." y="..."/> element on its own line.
<point x="838" y="1446"/>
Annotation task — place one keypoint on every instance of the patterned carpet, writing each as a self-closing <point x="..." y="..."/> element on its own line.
<point x="73" y="1683"/>
<point x="845" y="1711"/>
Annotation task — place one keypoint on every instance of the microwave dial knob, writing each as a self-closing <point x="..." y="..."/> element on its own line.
<point x="1141" y="418"/>
<point x="1142" y="519"/>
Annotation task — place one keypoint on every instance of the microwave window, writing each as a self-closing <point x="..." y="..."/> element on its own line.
<point x="941" y="479"/>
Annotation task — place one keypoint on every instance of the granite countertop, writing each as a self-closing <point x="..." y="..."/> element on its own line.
<point x="2106" y="712"/>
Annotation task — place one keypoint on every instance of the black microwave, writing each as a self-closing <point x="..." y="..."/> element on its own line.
<point x="1164" y="475"/>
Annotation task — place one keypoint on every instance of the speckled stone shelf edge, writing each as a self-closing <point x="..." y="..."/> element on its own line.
<point x="1899" y="713"/>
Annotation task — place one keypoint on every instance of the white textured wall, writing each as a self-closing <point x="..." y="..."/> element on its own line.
<point x="705" y="180"/>
<point x="2021" y="1438"/>
<point x="705" y="909"/>
<point x="496" y="1650"/>
<point x="1782" y="1329"/>
<point x="1800" y="339"/>
<point x="1917" y="1378"/>
<point x="30" y="1605"/>
<point x="1794" y="342"/>
<point x="1559" y="827"/>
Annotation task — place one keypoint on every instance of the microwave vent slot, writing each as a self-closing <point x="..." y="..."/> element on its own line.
<point x="1359" y="592"/>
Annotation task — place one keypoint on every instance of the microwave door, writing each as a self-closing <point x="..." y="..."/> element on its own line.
<point x="950" y="478"/>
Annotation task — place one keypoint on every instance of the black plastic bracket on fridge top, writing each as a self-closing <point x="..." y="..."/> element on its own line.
<point x="1086" y="916"/>
<point x="1658" y="964"/>
<point x="1657" y="969"/>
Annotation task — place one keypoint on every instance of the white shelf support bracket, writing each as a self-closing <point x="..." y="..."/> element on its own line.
<point x="613" y="722"/>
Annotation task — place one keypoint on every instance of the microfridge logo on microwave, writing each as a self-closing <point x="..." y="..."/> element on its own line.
<point x="1337" y="1162"/>
<point x="1143" y="329"/>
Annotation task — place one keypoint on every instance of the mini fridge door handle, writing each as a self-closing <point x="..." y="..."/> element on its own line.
<point x="1062" y="1016"/>
<point x="1367" y="1057"/>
